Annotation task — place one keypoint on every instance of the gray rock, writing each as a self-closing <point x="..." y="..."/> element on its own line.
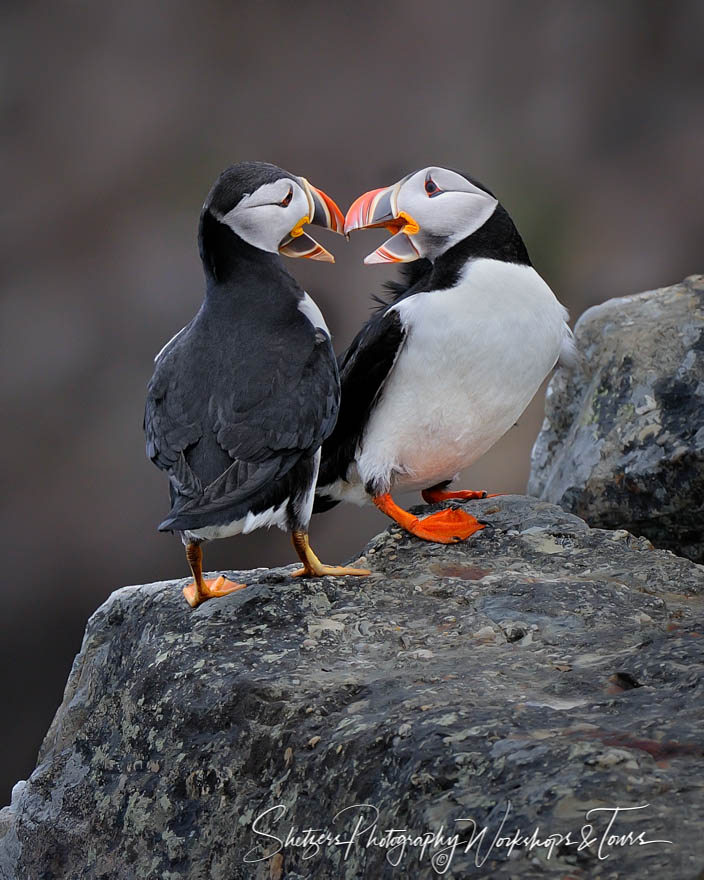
<point x="541" y="669"/>
<point x="622" y="444"/>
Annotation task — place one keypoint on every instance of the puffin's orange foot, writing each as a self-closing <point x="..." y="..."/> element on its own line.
<point x="211" y="589"/>
<point x="445" y="527"/>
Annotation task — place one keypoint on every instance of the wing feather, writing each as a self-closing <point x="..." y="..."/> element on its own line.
<point x="364" y="369"/>
<point x="223" y="446"/>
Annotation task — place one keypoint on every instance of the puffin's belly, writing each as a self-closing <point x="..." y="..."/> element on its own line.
<point x="470" y="366"/>
<point x="430" y="424"/>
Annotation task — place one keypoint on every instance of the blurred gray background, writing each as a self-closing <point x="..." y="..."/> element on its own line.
<point x="586" y="119"/>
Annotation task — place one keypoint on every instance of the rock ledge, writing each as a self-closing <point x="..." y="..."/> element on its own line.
<point x="543" y="667"/>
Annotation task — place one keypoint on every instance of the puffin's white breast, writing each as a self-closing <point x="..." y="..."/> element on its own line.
<point x="473" y="358"/>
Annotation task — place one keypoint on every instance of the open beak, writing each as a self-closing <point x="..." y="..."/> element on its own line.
<point x="322" y="211"/>
<point x="379" y="208"/>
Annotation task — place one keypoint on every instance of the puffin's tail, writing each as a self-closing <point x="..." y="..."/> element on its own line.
<point x="180" y="520"/>
<point x="177" y="522"/>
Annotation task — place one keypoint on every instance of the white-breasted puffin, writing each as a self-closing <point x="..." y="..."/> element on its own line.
<point x="243" y="396"/>
<point x="440" y="373"/>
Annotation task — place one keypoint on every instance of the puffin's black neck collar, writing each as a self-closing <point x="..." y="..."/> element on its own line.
<point x="224" y="253"/>
<point x="497" y="239"/>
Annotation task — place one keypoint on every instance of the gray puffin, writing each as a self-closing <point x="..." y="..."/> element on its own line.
<point x="438" y="374"/>
<point x="243" y="396"/>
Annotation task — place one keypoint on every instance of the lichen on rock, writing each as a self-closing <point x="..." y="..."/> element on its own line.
<point x="622" y="444"/>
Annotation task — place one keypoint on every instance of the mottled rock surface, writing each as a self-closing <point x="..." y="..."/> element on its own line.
<point x="542" y="669"/>
<point x="622" y="444"/>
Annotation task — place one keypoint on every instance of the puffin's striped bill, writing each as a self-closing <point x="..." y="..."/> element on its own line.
<point x="377" y="208"/>
<point x="305" y="246"/>
<point x="374" y="208"/>
<point x="397" y="249"/>
<point x="326" y="212"/>
<point x="323" y="210"/>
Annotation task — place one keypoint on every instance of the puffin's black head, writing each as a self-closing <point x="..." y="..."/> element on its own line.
<point x="429" y="212"/>
<point x="266" y="207"/>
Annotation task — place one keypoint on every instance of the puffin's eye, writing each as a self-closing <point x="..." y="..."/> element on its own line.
<point x="287" y="200"/>
<point x="431" y="188"/>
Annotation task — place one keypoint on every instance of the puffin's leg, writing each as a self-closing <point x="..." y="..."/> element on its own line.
<point x="202" y="589"/>
<point x="312" y="566"/>
<point x="445" y="527"/>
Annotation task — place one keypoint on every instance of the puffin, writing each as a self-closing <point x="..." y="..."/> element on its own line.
<point x="244" y="395"/>
<point x="446" y="366"/>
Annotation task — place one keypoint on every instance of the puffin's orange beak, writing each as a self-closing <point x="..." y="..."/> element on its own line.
<point x="322" y="211"/>
<point x="378" y="208"/>
<point x="371" y="210"/>
<point x="326" y="213"/>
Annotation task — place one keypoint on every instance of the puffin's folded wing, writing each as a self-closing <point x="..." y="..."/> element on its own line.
<point x="364" y="370"/>
<point x="232" y="489"/>
<point x="171" y="423"/>
<point x="294" y="419"/>
<point x="258" y="434"/>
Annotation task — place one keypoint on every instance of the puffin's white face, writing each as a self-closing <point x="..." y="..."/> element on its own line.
<point x="263" y="218"/>
<point x="272" y="218"/>
<point x="428" y="211"/>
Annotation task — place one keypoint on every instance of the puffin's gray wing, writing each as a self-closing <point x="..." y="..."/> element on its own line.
<point x="294" y="418"/>
<point x="223" y="447"/>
